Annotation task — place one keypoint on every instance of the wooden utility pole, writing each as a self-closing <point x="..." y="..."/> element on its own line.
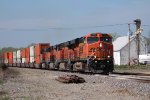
<point x="129" y="43"/>
<point x="137" y="33"/>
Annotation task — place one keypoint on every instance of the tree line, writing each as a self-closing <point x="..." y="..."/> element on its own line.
<point x="114" y="36"/>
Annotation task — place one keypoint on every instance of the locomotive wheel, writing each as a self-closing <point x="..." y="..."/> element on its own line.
<point x="79" y="66"/>
<point x="43" y="66"/>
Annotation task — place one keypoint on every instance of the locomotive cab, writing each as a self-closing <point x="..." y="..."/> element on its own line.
<point x="99" y="52"/>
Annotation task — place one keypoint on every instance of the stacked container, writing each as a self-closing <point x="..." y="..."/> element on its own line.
<point x="14" y="58"/>
<point x="18" y="56"/>
<point x="6" y="57"/>
<point x="32" y="54"/>
<point x="23" y="59"/>
<point x="10" y="58"/>
<point x="23" y="56"/>
<point x="27" y="55"/>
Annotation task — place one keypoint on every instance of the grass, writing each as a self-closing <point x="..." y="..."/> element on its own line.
<point x="5" y="98"/>
<point x="1" y="82"/>
<point x="3" y="67"/>
<point x="25" y="98"/>
<point x="133" y="67"/>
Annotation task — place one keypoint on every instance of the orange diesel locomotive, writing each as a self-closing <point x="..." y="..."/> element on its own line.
<point x="93" y="52"/>
<point x="90" y="53"/>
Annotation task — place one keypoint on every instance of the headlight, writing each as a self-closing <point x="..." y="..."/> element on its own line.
<point x="108" y="56"/>
<point x="100" y="45"/>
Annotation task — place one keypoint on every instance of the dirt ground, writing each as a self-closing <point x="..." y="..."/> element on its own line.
<point x="35" y="84"/>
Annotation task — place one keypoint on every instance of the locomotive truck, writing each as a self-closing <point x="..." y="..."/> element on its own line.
<point x="90" y="53"/>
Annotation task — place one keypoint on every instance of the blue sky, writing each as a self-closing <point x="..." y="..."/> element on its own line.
<point x="23" y="22"/>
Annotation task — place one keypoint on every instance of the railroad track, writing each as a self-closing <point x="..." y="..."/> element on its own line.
<point x="141" y="77"/>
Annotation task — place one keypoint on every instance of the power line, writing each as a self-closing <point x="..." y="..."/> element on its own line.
<point x="146" y="25"/>
<point x="61" y="28"/>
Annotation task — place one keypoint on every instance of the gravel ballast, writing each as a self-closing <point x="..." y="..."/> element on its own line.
<point x="36" y="84"/>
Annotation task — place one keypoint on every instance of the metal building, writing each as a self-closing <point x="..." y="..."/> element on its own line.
<point x="122" y="46"/>
<point x="148" y="49"/>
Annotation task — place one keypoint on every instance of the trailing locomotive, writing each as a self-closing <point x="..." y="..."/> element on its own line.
<point x="90" y="53"/>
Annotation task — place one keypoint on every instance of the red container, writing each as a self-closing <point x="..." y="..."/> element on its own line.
<point x="27" y="55"/>
<point x="6" y="55"/>
<point x="10" y="57"/>
<point x="23" y="53"/>
<point x="39" y="48"/>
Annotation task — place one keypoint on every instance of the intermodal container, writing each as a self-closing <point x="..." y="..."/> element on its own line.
<point x="10" y="57"/>
<point x="14" y="60"/>
<point x="23" y="53"/>
<point x="32" y="51"/>
<point x="6" y="57"/>
<point x="18" y="54"/>
<point x="31" y="59"/>
<point x="18" y="60"/>
<point x="27" y="55"/>
<point x="14" y="54"/>
<point x="23" y="60"/>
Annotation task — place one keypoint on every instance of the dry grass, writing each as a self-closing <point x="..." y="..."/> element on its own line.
<point x="132" y="68"/>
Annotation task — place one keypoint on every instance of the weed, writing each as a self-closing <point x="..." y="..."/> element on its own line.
<point x="126" y="67"/>
<point x="5" y="98"/>
<point x="3" y="66"/>
<point x="1" y="82"/>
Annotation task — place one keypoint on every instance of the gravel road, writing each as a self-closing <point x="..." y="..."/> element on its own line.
<point x="35" y="84"/>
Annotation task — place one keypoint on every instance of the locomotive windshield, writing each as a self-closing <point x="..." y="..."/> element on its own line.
<point x="105" y="39"/>
<point x="92" y="40"/>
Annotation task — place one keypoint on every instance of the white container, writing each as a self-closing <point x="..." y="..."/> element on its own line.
<point x="23" y="60"/>
<point x="18" y="53"/>
<point x="14" y="60"/>
<point x="32" y="51"/>
<point x="6" y="61"/>
<point x="14" y="54"/>
<point x="31" y="59"/>
<point x="18" y="60"/>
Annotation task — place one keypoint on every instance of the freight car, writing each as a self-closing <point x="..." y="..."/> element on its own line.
<point x="90" y="53"/>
